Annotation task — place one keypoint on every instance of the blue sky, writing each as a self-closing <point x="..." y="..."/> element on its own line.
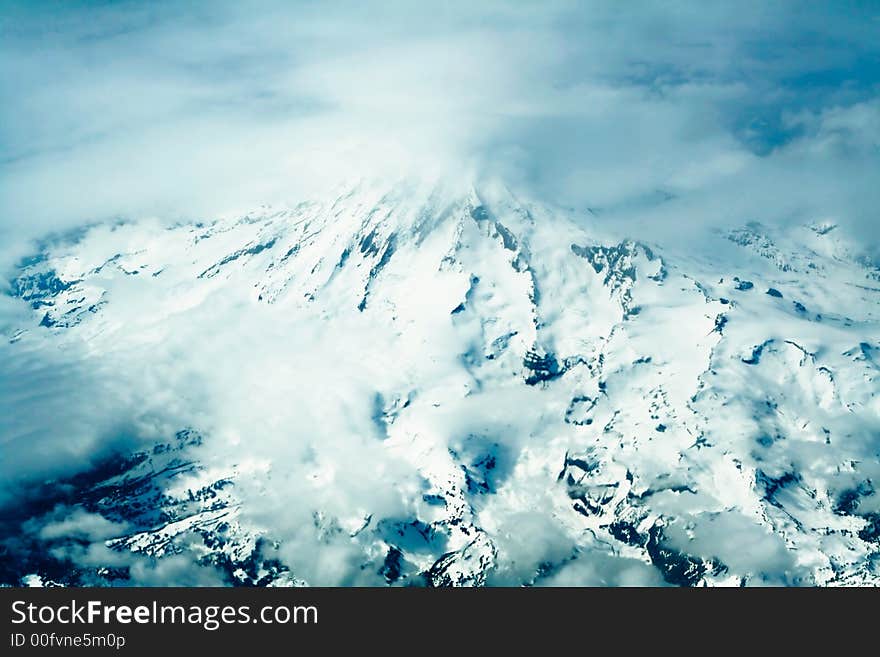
<point x="657" y="109"/>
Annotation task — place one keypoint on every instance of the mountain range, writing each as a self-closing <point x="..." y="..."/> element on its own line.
<point x="438" y="385"/>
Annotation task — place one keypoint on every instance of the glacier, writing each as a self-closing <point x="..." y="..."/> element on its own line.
<point x="428" y="384"/>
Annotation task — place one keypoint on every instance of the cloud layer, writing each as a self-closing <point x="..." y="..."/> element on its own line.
<point x="694" y="114"/>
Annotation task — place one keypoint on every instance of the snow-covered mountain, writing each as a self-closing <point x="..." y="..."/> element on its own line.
<point x="417" y="384"/>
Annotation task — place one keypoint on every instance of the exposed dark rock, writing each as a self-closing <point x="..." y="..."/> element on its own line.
<point x="676" y="567"/>
<point x="849" y="500"/>
<point x="480" y="213"/>
<point x="213" y="270"/>
<point x="757" y="352"/>
<point x="625" y="532"/>
<point x="392" y="567"/>
<point x="541" y="367"/>
<point x="870" y="533"/>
